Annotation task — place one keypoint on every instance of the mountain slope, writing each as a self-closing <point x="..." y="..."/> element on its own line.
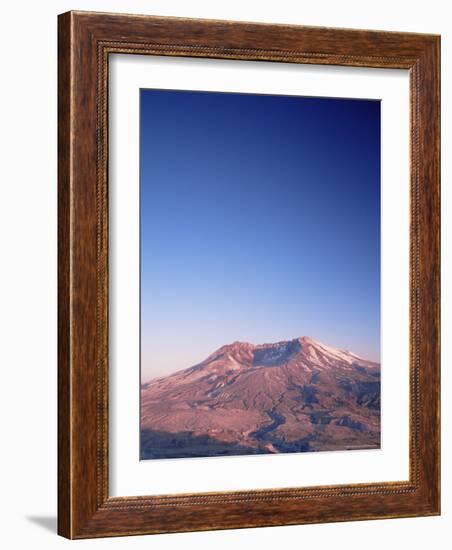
<point x="291" y="396"/>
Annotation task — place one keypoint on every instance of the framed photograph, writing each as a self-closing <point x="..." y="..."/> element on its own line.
<point x="248" y="275"/>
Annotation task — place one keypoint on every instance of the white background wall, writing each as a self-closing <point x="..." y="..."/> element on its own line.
<point x="28" y="269"/>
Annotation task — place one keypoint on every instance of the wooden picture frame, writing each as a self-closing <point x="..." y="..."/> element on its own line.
<point x="85" y="42"/>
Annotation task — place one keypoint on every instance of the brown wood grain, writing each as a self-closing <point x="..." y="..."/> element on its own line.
<point x="64" y="295"/>
<point x="85" y="508"/>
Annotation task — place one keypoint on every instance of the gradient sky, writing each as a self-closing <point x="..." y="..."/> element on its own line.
<point x="260" y="222"/>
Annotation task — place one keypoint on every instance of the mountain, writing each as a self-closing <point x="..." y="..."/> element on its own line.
<point x="292" y="396"/>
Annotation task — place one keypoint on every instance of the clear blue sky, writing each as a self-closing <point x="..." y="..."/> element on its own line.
<point x="260" y="222"/>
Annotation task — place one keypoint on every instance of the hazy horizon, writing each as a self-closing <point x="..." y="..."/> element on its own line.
<point x="260" y="222"/>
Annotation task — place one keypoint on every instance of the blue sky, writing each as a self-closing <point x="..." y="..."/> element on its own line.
<point x="260" y="222"/>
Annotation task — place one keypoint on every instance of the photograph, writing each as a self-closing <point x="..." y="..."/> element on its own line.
<point x="259" y="274"/>
<point x="225" y="233"/>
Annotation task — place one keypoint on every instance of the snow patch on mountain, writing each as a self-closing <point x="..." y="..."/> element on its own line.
<point x="276" y="354"/>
